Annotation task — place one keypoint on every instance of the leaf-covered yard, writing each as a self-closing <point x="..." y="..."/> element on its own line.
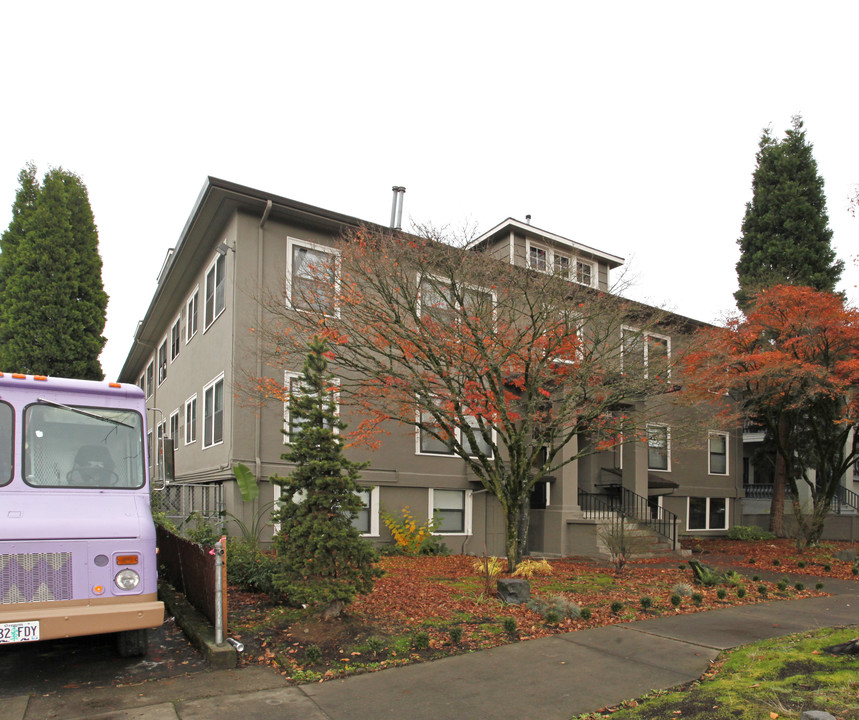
<point x="428" y="607"/>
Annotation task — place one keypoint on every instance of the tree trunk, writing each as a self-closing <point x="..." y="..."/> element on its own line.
<point x="779" y="482"/>
<point x="516" y="534"/>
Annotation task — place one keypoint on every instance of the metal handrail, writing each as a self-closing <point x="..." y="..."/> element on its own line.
<point x="633" y="507"/>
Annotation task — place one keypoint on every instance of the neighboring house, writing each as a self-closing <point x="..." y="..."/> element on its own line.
<point x="195" y="352"/>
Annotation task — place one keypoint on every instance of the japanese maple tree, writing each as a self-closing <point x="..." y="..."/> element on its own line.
<point x="792" y="363"/>
<point x="515" y="371"/>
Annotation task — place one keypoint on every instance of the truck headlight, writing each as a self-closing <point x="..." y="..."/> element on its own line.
<point x="127" y="579"/>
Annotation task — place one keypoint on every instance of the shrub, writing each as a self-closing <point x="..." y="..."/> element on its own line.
<point x="682" y="589"/>
<point x="741" y="592"/>
<point x="752" y="561"/>
<point x="375" y="644"/>
<point x="510" y="625"/>
<point x="456" y="634"/>
<point x="756" y="578"/>
<point x="489" y="568"/>
<point x="855" y="570"/>
<point x="528" y="568"/>
<point x="554" y="609"/>
<point x="312" y="655"/>
<point x="827" y="568"/>
<point x="250" y="568"/>
<point x="646" y="602"/>
<point x="676" y="600"/>
<point x="776" y="561"/>
<point x="616" y="607"/>
<point x="781" y="585"/>
<point x="697" y="598"/>
<point x="819" y="586"/>
<point x="799" y="586"/>
<point x="421" y="640"/>
<point x="800" y="564"/>
<point x="721" y="593"/>
<point x="411" y="538"/>
<point x="585" y="613"/>
<point x="748" y="532"/>
<point x="762" y="590"/>
<point x="552" y="616"/>
<point x="681" y="566"/>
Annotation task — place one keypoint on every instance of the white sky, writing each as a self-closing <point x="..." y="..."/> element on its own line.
<point x="628" y="126"/>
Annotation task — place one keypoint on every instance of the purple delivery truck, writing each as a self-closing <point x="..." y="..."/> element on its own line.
<point x="77" y="541"/>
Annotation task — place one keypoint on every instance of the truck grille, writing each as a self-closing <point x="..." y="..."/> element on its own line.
<point x="35" y="577"/>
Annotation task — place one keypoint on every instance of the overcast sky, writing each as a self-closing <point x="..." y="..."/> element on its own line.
<point x="628" y="126"/>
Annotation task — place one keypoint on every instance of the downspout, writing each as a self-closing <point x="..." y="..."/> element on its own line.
<point x="259" y="366"/>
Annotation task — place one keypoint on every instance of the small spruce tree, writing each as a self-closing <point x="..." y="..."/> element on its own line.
<point x="323" y="560"/>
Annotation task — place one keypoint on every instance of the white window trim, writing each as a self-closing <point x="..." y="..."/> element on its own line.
<point x="216" y="314"/>
<point x="292" y="242"/>
<point x="289" y="375"/>
<point x="174" y="414"/>
<point x="178" y="322"/>
<point x="192" y="399"/>
<point x="458" y="433"/>
<point x="441" y="280"/>
<point x="643" y="336"/>
<point x="374" y="512"/>
<point x="468" y="528"/>
<point x="150" y="385"/>
<point x="707" y="514"/>
<point x="727" y="437"/>
<point x="189" y="328"/>
<point x="572" y="273"/>
<point x="165" y="343"/>
<point x="667" y="446"/>
<point x="202" y="425"/>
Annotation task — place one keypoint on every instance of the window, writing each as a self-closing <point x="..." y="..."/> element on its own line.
<point x="213" y="413"/>
<point x="437" y="301"/>
<point x="434" y="444"/>
<point x="658" y="447"/>
<point x="191" y="315"/>
<point x="718" y="451"/>
<point x="174" y="428"/>
<point x="367" y="519"/>
<point x="480" y="443"/>
<point x="584" y="273"/>
<point x="645" y="354"/>
<point x="162" y="362"/>
<point x="160" y="434"/>
<point x="562" y="265"/>
<point x="7" y="435"/>
<point x="856" y="453"/>
<point x="538" y="258"/>
<point x="453" y="507"/>
<point x="312" y="272"/>
<point x="191" y="420"/>
<point x="141" y="382"/>
<point x="295" y="388"/>
<point x="150" y="378"/>
<point x="707" y="514"/>
<point x="174" y="340"/>
<point x="215" y="289"/>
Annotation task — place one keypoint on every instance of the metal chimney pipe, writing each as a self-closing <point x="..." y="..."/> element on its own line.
<point x="396" y="190"/>
<point x="401" y="191"/>
<point x="528" y="219"/>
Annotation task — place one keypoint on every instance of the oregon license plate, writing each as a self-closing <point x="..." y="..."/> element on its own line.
<point x="19" y="631"/>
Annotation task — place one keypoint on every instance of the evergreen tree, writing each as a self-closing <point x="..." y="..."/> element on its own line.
<point x="785" y="235"/>
<point x="323" y="561"/>
<point x="52" y="300"/>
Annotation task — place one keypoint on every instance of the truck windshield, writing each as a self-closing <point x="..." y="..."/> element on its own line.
<point x="82" y="447"/>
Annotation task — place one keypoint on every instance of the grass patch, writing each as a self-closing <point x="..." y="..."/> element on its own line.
<point x="784" y="676"/>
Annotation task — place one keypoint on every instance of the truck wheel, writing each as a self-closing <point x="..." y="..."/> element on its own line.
<point x="130" y="643"/>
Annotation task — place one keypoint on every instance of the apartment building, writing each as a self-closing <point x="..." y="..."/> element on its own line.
<point x="195" y="352"/>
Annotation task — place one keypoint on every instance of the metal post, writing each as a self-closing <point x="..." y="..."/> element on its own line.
<point x="219" y="595"/>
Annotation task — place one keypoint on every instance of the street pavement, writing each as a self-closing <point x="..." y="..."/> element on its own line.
<point x="551" y="678"/>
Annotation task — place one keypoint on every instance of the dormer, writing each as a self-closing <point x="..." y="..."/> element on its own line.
<point x="524" y="245"/>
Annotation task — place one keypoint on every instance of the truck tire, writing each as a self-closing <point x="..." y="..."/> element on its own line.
<point x="130" y="643"/>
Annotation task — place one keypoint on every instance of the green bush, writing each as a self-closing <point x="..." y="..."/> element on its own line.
<point x="456" y="634"/>
<point x="697" y="598"/>
<point x="741" y="592"/>
<point x="819" y="586"/>
<point x="616" y="607"/>
<point x="762" y="590"/>
<point x="800" y="564"/>
<point x="676" y="600"/>
<point x="646" y="602"/>
<point x="421" y="640"/>
<point x="721" y="593"/>
<point x="510" y="625"/>
<point x="749" y="532"/>
<point x="585" y="613"/>
<point x="781" y="585"/>
<point x="799" y="586"/>
<point x="250" y="568"/>
<point x="312" y="655"/>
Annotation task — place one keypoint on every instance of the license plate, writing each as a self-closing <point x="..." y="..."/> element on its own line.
<point x="19" y="631"/>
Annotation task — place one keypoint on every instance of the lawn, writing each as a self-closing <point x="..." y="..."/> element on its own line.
<point x="429" y="607"/>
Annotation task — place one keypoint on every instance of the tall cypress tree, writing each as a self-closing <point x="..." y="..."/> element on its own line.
<point x="785" y="234"/>
<point x="52" y="300"/>
<point x="322" y="559"/>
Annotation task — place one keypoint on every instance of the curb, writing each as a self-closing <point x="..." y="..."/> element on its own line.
<point x="197" y="629"/>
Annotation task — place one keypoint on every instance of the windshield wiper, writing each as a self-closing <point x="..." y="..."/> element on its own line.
<point x="95" y="416"/>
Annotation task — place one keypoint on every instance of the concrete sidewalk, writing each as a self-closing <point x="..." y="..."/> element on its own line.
<point x="547" y="679"/>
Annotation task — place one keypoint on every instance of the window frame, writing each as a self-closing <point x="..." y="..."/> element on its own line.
<point x="175" y="339"/>
<point x="288" y="377"/>
<point x="291" y="243"/>
<point x="467" y="528"/>
<point x="571" y="272"/>
<point x="217" y="281"/>
<point x="642" y="337"/>
<point x="161" y="357"/>
<point x="191" y="427"/>
<point x="373" y="511"/>
<point x="707" y="513"/>
<point x="710" y="436"/>
<point x="447" y="454"/>
<point x="192" y="309"/>
<point x="667" y="429"/>
<point x="211" y="386"/>
<point x="150" y="378"/>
